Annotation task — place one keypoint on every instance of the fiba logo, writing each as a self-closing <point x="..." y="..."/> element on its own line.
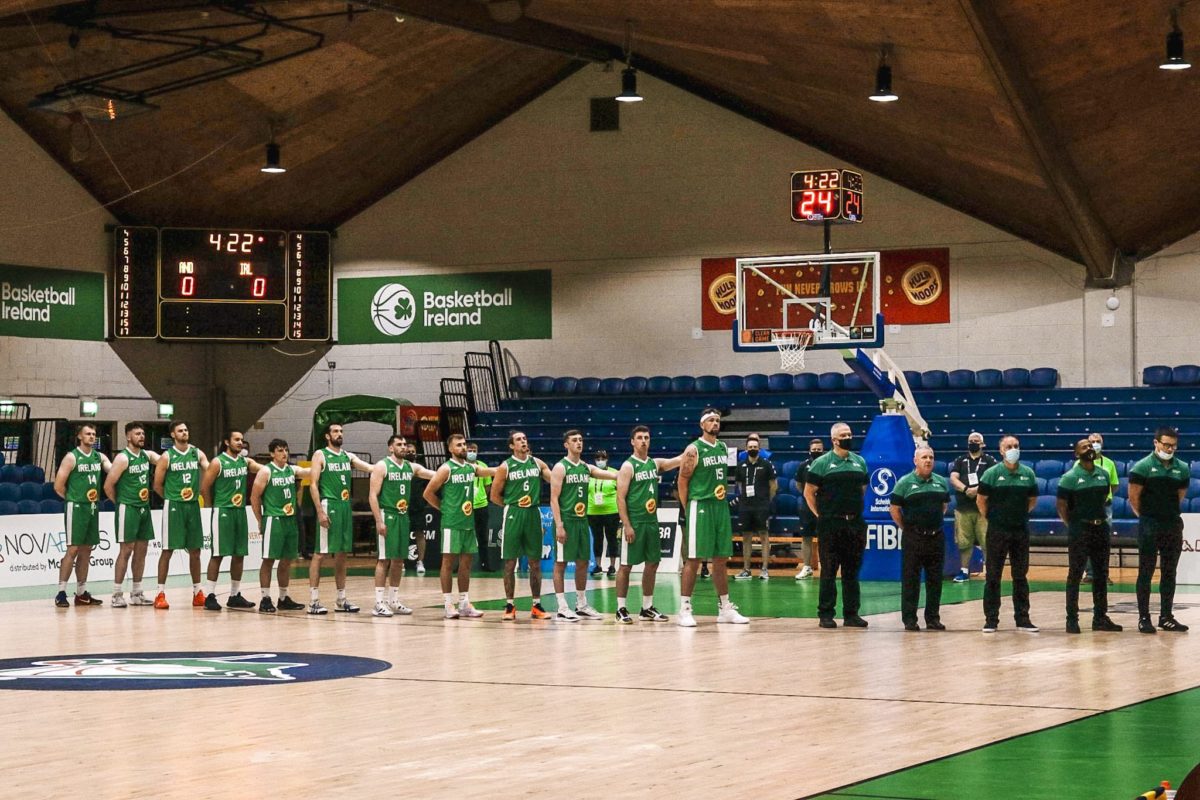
<point x="883" y="480"/>
<point x="393" y="309"/>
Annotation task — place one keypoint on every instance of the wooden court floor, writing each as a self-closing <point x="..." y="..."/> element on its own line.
<point x="482" y="709"/>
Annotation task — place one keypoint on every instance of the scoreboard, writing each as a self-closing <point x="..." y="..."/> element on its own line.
<point x="220" y="285"/>
<point x="827" y="195"/>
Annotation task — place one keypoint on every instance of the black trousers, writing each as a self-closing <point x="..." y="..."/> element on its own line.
<point x="481" y="535"/>
<point x="921" y="550"/>
<point x="604" y="530"/>
<point x="1158" y="540"/>
<point x="1011" y="544"/>
<point x="842" y="542"/>
<point x="1088" y="543"/>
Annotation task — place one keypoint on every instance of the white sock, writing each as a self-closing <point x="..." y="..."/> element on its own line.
<point x="509" y="600"/>
<point x="465" y="600"/>
<point x="235" y="587"/>
<point x="266" y="593"/>
<point x="685" y="603"/>
<point x="647" y="601"/>
<point x="161" y="588"/>
<point x="724" y="600"/>
<point x="378" y="595"/>
<point x="137" y="587"/>
<point x="562" y="601"/>
<point x="314" y="593"/>
<point x="341" y="595"/>
<point x="580" y="598"/>
<point x="537" y="601"/>
<point x="448" y="598"/>
<point x="195" y="588"/>
<point x="394" y="594"/>
<point x="210" y="587"/>
<point x="621" y="602"/>
<point x="62" y="586"/>
<point x="81" y="587"/>
<point x="282" y="592"/>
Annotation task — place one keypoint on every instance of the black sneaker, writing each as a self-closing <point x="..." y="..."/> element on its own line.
<point x="826" y="622"/>
<point x="61" y="600"/>
<point x="911" y="626"/>
<point x="1146" y="626"/>
<point x="211" y="603"/>
<point x="612" y="571"/>
<point x="86" y="599"/>
<point x="936" y="625"/>
<point x="1106" y="624"/>
<point x="237" y="601"/>
<point x="1026" y="626"/>
<point x="288" y="604"/>
<point x="854" y="622"/>
<point x="265" y="606"/>
<point x="652" y="614"/>
<point x="1073" y="626"/>
<point x="596" y="571"/>
<point x="704" y="571"/>
<point x="1172" y="625"/>
<point x="623" y="616"/>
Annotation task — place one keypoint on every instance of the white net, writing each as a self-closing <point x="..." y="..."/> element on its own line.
<point x="792" y="346"/>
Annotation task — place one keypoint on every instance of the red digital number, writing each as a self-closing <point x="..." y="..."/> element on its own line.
<point x="807" y="199"/>
<point x="187" y="287"/>
<point x="825" y="200"/>
<point x="853" y="204"/>
<point x="259" y="287"/>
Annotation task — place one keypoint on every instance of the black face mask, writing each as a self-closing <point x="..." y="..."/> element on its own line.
<point x="752" y="452"/>
<point x="846" y="443"/>
<point x="974" y="447"/>
<point x="1087" y="455"/>
<point x="815" y="453"/>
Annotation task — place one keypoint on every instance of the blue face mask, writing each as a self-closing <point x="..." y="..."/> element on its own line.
<point x="1013" y="456"/>
<point x="472" y="455"/>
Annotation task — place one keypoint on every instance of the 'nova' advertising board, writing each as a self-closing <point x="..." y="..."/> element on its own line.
<point x="51" y="303"/>
<point x="444" y="308"/>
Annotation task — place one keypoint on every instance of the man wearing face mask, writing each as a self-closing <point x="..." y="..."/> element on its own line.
<point x="970" y="527"/>
<point x="480" y="502"/>
<point x="757" y="484"/>
<point x="1109" y="468"/>
<point x="1157" y="485"/>
<point x="1082" y="496"/>
<point x="603" y="518"/>
<point x="834" y="489"/>
<point x="808" y="523"/>
<point x="1007" y="493"/>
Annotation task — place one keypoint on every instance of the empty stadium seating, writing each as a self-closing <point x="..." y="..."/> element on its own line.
<point x="23" y="490"/>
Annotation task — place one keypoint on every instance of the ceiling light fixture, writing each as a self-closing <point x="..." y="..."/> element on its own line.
<point x="883" y="78"/>
<point x="1175" y="59"/>
<point x="629" y="90"/>
<point x="272" y="165"/>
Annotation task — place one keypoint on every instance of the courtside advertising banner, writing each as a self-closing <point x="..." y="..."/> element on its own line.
<point x="32" y="547"/>
<point x="396" y="309"/>
<point x="51" y="303"/>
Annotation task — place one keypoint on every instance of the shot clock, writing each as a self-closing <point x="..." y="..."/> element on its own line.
<point x="827" y="195"/>
<point x="207" y="284"/>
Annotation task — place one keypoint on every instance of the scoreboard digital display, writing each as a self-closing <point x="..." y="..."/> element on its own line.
<point x="827" y="195"/>
<point x="207" y="284"/>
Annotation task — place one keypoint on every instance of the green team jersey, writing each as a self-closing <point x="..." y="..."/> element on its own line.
<point x="83" y="484"/>
<point x="921" y="500"/>
<point x="572" y="498"/>
<point x="1008" y="492"/>
<point x="279" y="498"/>
<point x="524" y="485"/>
<point x="396" y="491"/>
<point x="1086" y="493"/>
<point x="229" y="489"/>
<point x="458" y="493"/>
<point x="642" y="498"/>
<point x="182" y="484"/>
<point x="133" y="487"/>
<point x="708" y="482"/>
<point x="335" y="477"/>
<point x="1160" y="481"/>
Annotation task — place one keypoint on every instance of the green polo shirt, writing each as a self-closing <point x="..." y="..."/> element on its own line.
<point x="1160" y="481"/>
<point x="1086" y="494"/>
<point x="921" y="501"/>
<point x="1109" y="467"/>
<point x="1008" y="494"/>
<point x="839" y="483"/>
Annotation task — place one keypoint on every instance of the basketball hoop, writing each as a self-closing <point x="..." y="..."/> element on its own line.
<point x="792" y="346"/>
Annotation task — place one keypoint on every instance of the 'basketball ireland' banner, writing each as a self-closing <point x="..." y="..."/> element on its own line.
<point x="51" y="303"/>
<point x="444" y="308"/>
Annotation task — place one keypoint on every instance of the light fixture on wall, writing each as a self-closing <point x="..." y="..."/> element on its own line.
<point x="883" y="78"/>
<point x="166" y="410"/>
<point x="629" y="90"/>
<point x="1175" y="59"/>
<point x="88" y="408"/>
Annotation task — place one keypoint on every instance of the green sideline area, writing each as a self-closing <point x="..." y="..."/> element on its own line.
<point x="1114" y="754"/>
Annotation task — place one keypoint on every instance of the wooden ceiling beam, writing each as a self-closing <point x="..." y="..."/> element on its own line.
<point x="1095" y="245"/>
<point x="473" y="16"/>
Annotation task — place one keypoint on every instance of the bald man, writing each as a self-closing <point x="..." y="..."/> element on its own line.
<point x="918" y="505"/>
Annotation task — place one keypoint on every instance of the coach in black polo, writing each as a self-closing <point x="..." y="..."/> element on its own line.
<point x="1157" y="485"/>
<point x="918" y="506"/>
<point x="834" y="490"/>
<point x="1007" y="493"/>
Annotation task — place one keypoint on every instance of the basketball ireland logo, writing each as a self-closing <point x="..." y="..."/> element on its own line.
<point x="393" y="309"/>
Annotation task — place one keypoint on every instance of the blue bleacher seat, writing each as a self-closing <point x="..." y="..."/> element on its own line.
<point x="565" y="386"/>
<point x="48" y="492"/>
<point x="1046" y="508"/>
<point x="33" y="474"/>
<point x="961" y="379"/>
<point x="54" y="506"/>
<point x="1016" y="378"/>
<point x="10" y="492"/>
<point x="106" y="505"/>
<point x="1194" y="487"/>
<point x="1048" y="468"/>
<point x="635" y="385"/>
<point x="611" y="386"/>
<point x="831" y="381"/>
<point x="588" y="386"/>
<point x="805" y="382"/>
<point x="7" y="507"/>
<point x="1193" y="505"/>
<point x="1052" y="486"/>
<point x="520" y="384"/>
<point x="988" y="379"/>
<point x="786" y="505"/>
<point x="788" y="471"/>
<point x="780" y="382"/>
<point x="659" y="384"/>
<point x="1041" y="484"/>
<point x="1043" y="378"/>
<point x="1157" y="375"/>
<point x="29" y="507"/>
<point x="1120" y="508"/>
<point x="1185" y="375"/>
<point x="1194" y="467"/>
<point x="10" y="473"/>
<point x="756" y="382"/>
<point x="914" y="379"/>
<point x="683" y="384"/>
<point x="31" y="491"/>
<point x="1122" y="468"/>
<point x="853" y="383"/>
<point x="728" y="384"/>
<point x="1122" y="489"/>
<point x="708" y="384"/>
<point x="934" y="379"/>
<point x="541" y="386"/>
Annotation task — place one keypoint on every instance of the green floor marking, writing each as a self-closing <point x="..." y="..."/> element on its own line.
<point x="1114" y="754"/>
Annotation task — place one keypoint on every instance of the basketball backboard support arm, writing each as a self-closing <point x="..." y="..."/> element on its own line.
<point x="886" y="380"/>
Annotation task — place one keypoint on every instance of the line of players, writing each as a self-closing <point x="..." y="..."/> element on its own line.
<point x="183" y="474"/>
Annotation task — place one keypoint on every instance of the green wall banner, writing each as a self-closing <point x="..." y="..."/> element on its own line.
<point x="51" y="303"/>
<point x="444" y="308"/>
